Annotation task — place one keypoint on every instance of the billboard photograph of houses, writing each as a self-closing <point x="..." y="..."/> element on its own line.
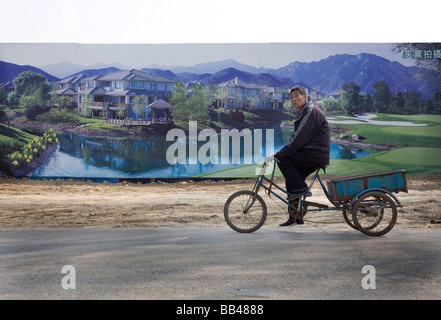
<point x="112" y="111"/>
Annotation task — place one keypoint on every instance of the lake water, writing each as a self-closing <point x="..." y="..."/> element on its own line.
<point x="97" y="157"/>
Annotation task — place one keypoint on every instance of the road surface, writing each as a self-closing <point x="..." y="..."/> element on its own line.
<point x="218" y="263"/>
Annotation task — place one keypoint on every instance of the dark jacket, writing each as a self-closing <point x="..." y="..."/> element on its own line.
<point x="311" y="136"/>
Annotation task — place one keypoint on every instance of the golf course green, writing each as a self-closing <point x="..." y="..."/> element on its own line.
<point x="416" y="149"/>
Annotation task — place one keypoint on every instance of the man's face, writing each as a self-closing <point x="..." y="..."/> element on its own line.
<point x="297" y="100"/>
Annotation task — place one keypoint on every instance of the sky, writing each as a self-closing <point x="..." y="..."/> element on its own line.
<point x="140" y="33"/>
<point x="268" y="55"/>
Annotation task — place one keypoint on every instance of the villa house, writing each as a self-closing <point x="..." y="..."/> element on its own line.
<point x="316" y="97"/>
<point x="237" y="94"/>
<point x="69" y="87"/>
<point x="275" y="97"/>
<point x="335" y="95"/>
<point x="113" y="95"/>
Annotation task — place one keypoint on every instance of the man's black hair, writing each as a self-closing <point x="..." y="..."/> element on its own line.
<point x="301" y="90"/>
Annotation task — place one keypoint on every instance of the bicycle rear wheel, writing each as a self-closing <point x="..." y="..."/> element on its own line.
<point x="245" y="211"/>
<point x="347" y="215"/>
<point x="374" y="213"/>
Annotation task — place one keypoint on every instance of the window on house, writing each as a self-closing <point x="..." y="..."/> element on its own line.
<point x="117" y="84"/>
<point x="153" y="86"/>
<point x="90" y="84"/>
<point x="137" y="84"/>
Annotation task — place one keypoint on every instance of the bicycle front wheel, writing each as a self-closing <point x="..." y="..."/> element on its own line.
<point x="245" y="211"/>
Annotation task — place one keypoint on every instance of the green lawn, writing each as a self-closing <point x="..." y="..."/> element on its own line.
<point x="414" y="160"/>
<point x="13" y="135"/>
<point x="105" y="127"/>
<point x="337" y="167"/>
<point x="402" y="136"/>
<point x="419" y="150"/>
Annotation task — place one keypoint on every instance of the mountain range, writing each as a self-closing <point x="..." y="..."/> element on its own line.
<point x="364" y="69"/>
<point x="326" y="75"/>
<point x="9" y="71"/>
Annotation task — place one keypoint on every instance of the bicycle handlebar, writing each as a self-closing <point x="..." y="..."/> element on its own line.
<point x="269" y="159"/>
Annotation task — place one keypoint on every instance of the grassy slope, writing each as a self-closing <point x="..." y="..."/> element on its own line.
<point x="11" y="134"/>
<point x="420" y="150"/>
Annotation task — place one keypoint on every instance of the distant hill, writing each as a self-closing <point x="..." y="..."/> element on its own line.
<point x="327" y="75"/>
<point x="96" y="72"/>
<point x="9" y="71"/>
<point x="64" y="69"/>
<point x="191" y="77"/>
<point x="159" y="72"/>
<point x="213" y="67"/>
<point x="263" y="79"/>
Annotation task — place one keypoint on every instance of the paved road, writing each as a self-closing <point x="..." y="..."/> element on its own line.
<point x="218" y="263"/>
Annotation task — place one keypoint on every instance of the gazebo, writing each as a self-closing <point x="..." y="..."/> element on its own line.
<point x="160" y="111"/>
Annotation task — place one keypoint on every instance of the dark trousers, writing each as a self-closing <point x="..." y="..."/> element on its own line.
<point x="295" y="169"/>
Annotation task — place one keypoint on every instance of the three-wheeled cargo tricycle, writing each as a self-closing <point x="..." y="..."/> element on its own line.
<point x="366" y="201"/>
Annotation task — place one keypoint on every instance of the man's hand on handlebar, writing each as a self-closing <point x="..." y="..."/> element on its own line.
<point x="270" y="158"/>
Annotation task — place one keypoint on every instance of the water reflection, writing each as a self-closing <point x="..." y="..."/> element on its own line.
<point x="85" y="156"/>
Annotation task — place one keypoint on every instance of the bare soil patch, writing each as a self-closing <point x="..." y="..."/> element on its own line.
<point x="30" y="204"/>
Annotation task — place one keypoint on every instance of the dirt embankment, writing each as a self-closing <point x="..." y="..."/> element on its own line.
<point x="32" y="204"/>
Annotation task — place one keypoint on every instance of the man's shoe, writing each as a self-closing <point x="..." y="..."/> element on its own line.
<point x="306" y="193"/>
<point x="289" y="222"/>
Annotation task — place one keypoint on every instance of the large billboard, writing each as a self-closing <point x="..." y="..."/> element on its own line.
<point x="212" y="110"/>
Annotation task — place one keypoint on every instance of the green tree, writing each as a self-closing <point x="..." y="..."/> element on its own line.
<point x="87" y="105"/>
<point x="437" y="102"/>
<point x="121" y="112"/>
<point x="208" y="92"/>
<point x="287" y="106"/>
<point x="382" y="96"/>
<point x="367" y="103"/>
<point x="32" y="89"/>
<point x="139" y="103"/>
<point x="27" y="83"/>
<point x="3" y="96"/>
<point x="411" y="102"/>
<point x="179" y="102"/>
<point x="331" y="105"/>
<point x="13" y="99"/>
<point x="351" y="97"/>
<point x="199" y="106"/>
<point x="397" y="103"/>
<point x="426" y="106"/>
<point x="34" y="104"/>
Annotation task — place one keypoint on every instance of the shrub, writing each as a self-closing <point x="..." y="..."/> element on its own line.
<point x="32" y="149"/>
<point x="59" y="116"/>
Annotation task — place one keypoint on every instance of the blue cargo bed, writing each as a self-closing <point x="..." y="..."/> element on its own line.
<point x="344" y="189"/>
